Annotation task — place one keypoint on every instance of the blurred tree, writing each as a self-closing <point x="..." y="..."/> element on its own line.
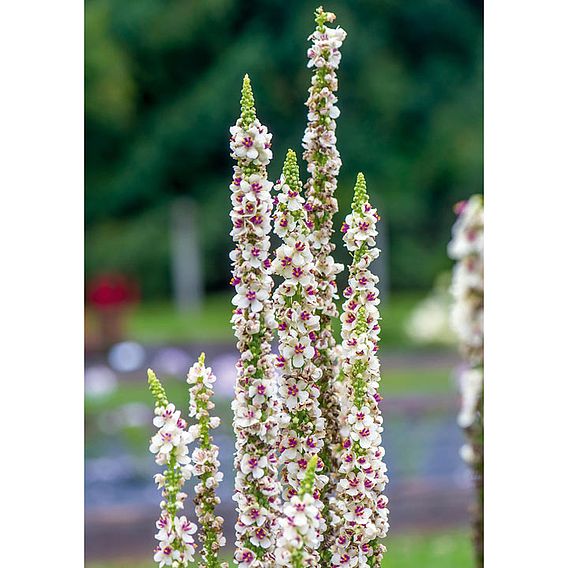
<point x="162" y="89"/>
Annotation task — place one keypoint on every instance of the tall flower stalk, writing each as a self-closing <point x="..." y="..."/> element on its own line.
<point x="299" y="525"/>
<point x="205" y="464"/>
<point x="360" y="514"/>
<point x="466" y="248"/>
<point x="322" y="157"/>
<point x="176" y="545"/>
<point x="295" y="300"/>
<point x="257" y="489"/>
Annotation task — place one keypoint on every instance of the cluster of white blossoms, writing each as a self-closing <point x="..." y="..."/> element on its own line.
<point x="295" y="301"/>
<point x="176" y="545"/>
<point x="322" y="157"/>
<point x="466" y="248"/>
<point x="359" y="513"/>
<point x="300" y="524"/>
<point x="255" y="406"/>
<point x="205" y="464"/>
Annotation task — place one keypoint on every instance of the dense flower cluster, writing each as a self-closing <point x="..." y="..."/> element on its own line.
<point x="257" y="489"/>
<point x="323" y="161"/>
<point x="205" y="464"/>
<point x="360" y="514"/>
<point x="295" y="301"/>
<point x="300" y="524"/>
<point x="466" y="248"/>
<point x="176" y="545"/>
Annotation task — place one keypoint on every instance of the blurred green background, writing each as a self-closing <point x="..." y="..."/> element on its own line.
<point x="162" y="88"/>
<point x="163" y="82"/>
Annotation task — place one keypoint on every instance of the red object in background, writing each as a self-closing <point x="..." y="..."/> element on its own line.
<point x="111" y="291"/>
<point x="109" y="296"/>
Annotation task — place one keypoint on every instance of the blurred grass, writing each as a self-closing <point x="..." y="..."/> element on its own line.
<point x="161" y="323"/>
<point x="396" y="382"/>
<point x="438" y="550"/>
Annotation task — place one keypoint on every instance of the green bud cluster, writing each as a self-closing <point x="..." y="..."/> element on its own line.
<point x="291" y="171"/>
<point x="248" y="112"/>
<point x="157" y="389"/>
<point x="360" y="196"/>
<point x="321" y="17"/>
<point x="307" y="485"/>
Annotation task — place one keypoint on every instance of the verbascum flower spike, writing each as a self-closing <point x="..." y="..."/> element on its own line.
<point x="205" y="464"/>
<point x="255" y="407"/>
<point x="295" y="301"/>
<point x="176" y="545"/>
<point x="359" y="509"/>
<point x="322" y="157"/>
<point x="466" y="248"/>
<point x="299" y="525"/>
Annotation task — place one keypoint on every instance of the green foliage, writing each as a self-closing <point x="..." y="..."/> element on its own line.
<point x="162" y="89"/>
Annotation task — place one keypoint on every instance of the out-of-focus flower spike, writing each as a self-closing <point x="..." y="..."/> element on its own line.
<point x="466" y="317"/>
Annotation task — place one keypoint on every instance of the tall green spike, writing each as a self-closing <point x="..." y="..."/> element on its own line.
<point x="360" y="196"/>
<point x="291" y="171"/>
<point x="157" y="389"/>
<point x="308" y="483"/>
<point x="248" y="112"/>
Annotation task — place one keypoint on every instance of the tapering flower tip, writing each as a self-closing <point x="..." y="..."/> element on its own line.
<point x="360" y="195"/>
<point x="248" y="112"/>
<point x="321" y="17"/>
<point x="308" y="483"/>
<point x="291" y="171"/>
<point x="157" y="389"/>
<point x="201" y="359"/>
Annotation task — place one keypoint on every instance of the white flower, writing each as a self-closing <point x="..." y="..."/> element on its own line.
<point x="185" y="529"/>
<point x="165" y="440"/>
<point x="252" y="143"/>
<point x="471" y="381"/>
<point x="165" y="554"/>
<point x="250" y="299"/>
<point x="260" y="537"/>
<point x="168" y="415"/>
<point x="254" y="465"/>
<point x="294" y="393"/>
<point x="297" y="350"/>
<point x="245" y="558"/>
